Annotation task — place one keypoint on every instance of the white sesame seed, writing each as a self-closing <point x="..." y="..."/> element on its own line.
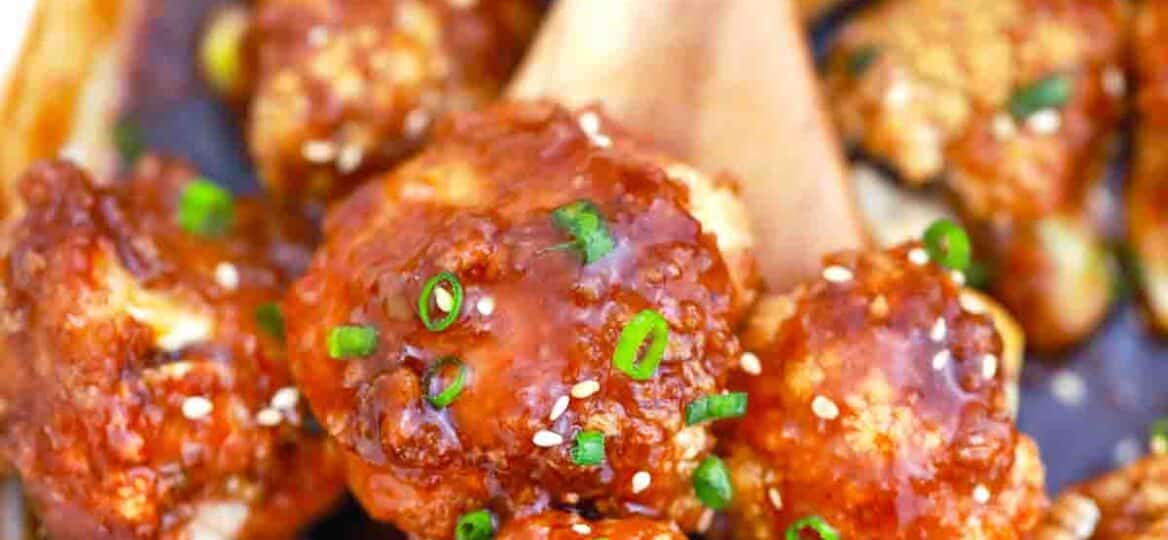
<point x="898" y="95"/>
<point x="1002" y="127"/>
<point x="776" y="498"/>
<point x="443" y="299"/>
<point x="1045" y="122"/>
<point x="750" y="363"/>
<point x="981" y="494"/>
<point x="486" y="306"/>
<point x="989" y="366"/>
<point x="286" y="398"/>
<point x="589" y="123"/>
<point x="641" y="481"/>
<point x="350" y="158"/>
<point x="601" y="140"/>
<point x="824" y="408"/>
<point x="319" y="151"/>
<point x="269" y="417"/>
<point x="318" y="35"/>
<point x="939" y="330"/>
<point x="971" y="303"/>
<point x="196" y="407"/>
<point x="559" y="407"/>
<point x="1068" y="388"/>
<point x="705" y="521"/>
<point x="227" y="276"/>
<point x="941" y="359"/>
<point x="1126" y="451"/>
<point x="1114" y="81"/>
<point x="547" y="439"/>
<point x="581" y="528"/>
<point x="416" y="122"/>
<point x="918" y="256"/>
<point x="837" y="274"/>
<point x="958" y="277"/>
<point x="585" y="389"/>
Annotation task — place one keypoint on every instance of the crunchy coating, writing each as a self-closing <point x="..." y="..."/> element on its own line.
<point x="927" y="86"/>
<point x="119" y="330"/>
<point x="535" y="321"/>
<point x="343" y="88"/>
<point x="881" y="406"/>
<point x="568" y="526"/>
<point x="1148" y="194"/>
<point x="1130" y="503"/>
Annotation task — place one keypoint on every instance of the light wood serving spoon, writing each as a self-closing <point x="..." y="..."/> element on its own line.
<point x="725" y="85"/>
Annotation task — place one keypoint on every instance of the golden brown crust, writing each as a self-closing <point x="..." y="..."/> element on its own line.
<point x="135" y="370"/>
<point x="567" y="526"/>
<point x="1130" y="503"/>
<point x="881" y="406"/>
<point x="478" y="202"/>
<point x="344" y="88"/>
<point x="1148" y="196"/>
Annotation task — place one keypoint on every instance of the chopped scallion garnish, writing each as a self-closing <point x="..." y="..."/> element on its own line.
<point x="589" y="448"/>
<point x="948" y="244"/>
<point x="715" y="407"/>
<point x="352" y="341"/>
<point x="1159" y="432"/>
<point x="711" y="481"/>
<point x="270" y="320"/>
<point x="205" y="208"/>
<point x="428" y="295"/>
<point x="443" y="398"/>
<point x="582" y="220"/>
<point x="815" y="523"/>
<point x="476" y="525"/>
<point x="1051" y="92"/>
<point x="645" y="324"/>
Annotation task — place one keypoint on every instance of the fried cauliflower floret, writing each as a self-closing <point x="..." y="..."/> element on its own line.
<point x="141" y="397"/>
<point x="1013" y="103"/>
<point x="881" y="406"/>
<point x="1148" y="194"/>
<point x="344" y="88"/>
<point x="535" y="332"/>
<point x="1127" y="504"/>
<point x="567" y="526"/>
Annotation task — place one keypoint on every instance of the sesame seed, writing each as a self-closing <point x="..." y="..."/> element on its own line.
<point x="589" y="123"/>
<point x="601" y="140"/>
<point x="319" y="151"/>
<point x="1126" y="451"/>
<point x="705" y="521"/>
<point x="286" y="398"/>
<point x="776" y="498"/>
<point x="989" y="366"/>
<point x="899" y="94"/>
<point x="918" y="256"/>
<point x="750" y="363"/>
<point x="1068" y="388"/>
<point x="318" y="35"/>
<point x="196" y="407"/>
<point x="1114" y="81"/>
<point x="1002" y="127"/>
<point x="350" y="158"/>
<point x="824" y="408"/>
<point x="981" y="494"/>
<point x="269" y="417"/>
<point x="486" y="306"/>
<point x="641" y="481"/>
<point x="443" y="299"/>
<point x="941" y="359"/>
<point x="1045" y="122"/>
<point x="547" y="439"/>
<point x="416" y="122"/>
<point x="971" y="303"/>
<point x="939" y="330"/>
<point x="958" y="277"/>
<point x="227" y="276"/>
<point x="837" y="274"/>
<point x="558" y="409"/>
<point x="585" y="389"/>
<point x="581" y="528"/>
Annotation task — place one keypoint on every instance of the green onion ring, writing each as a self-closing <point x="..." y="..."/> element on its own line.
<point x="427" y="294"/>
<point x="476" y="525"/>
<point x="948" y="244"/>
<point x="715" y="407"/>
<point x="815" y="523"/>
<point x="711" y="482"/>
<point x="443" y="399"/>
<point x="643" y="324"/>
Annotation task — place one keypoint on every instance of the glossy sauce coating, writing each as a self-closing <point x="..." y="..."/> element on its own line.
<point x="1148" y="195"/>
<point x="343" y="88"/>
<point x="534" y="323"/>
<point x="927" y="86"/>
<point x="880" y="406"/>
<point x="567" y="526"/>
<point x="1130" y="503"/>
<point x="134" y="370"/>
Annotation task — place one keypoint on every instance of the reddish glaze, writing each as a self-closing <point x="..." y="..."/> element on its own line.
<point x="566" y="526"/>
<point x="343" y="88"/>
<point x="94" y="396"/>
<point x="1133" y="500"/>
<point x="478" y="202"/>
<point x="852" y="418"/>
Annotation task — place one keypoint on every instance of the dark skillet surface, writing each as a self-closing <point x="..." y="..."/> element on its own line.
<point x="1125" y="370"/>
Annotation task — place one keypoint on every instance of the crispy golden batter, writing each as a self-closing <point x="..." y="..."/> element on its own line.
<point x="136" y="377"/>
<point x="1148" y="196"/>
<point x="534" y="323"/>
<point x="1127" y="504"/>
<point x="343" y="88"/>
<point x="566" y="526"/>
<point x="881" y="406"/>
<point x="939" y="86"/>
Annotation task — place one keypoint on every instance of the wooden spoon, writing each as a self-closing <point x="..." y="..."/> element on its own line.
<point x="724" y="85"/>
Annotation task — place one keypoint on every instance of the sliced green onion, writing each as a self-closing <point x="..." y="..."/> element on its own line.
<point x="582" y="220"/>
<point x="352" y="341"/>
<point x="270" y="320"/>
<point x="629" y="345"/>
<point x="862" y="59"/>
<point x="129" y="140"/>
<point x="711" y="482"/>
<point x="446" y="396"/>
<point x="205" y="209"/>
<point x="427" y="296"/>
<point x="589" y="448"/>
<point x="715" y="407"/>
<point x="948" y="244"/>
<point x="815" y="523"/>
<point x="1053" y="91"/>
<point x="477" y="525"/>
<point x="1160" y="433"/>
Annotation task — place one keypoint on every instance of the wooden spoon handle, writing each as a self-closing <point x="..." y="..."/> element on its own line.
<point x="724" y="85"/>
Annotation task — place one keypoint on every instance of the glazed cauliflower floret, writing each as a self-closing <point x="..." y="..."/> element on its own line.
<point x="142" y="399"/>
<point x="880" y="405"/>
<point x="566" y="526"/>
<point x="1127" y="504"/>
<point x="1013" y="103"/>
<point x="559" y="236"/>
<point x="1148" y="195"/>
<point x="345" y="88"/>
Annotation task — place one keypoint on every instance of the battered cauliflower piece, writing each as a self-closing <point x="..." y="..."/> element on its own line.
<point x="1127" y="504"/>
<point x="141" y="396"/>
<point x="567" y="526"/>
<point x="1148" y="195"/>
<point x="507" y="261"/>
<point x="1013" y="103"/>
<point x="880" y="405"/>
<point x="345" y="88"/>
